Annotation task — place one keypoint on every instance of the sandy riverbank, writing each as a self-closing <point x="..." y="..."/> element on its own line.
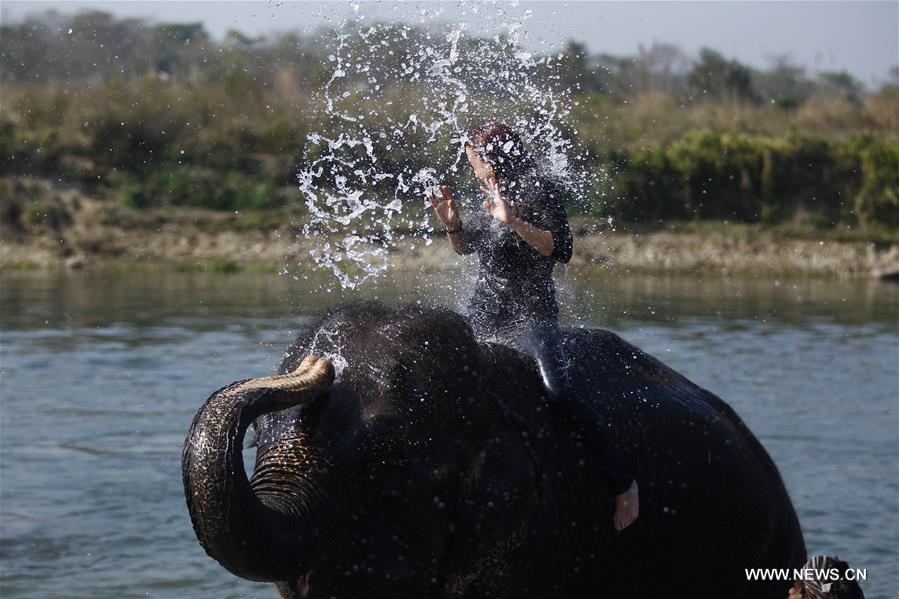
<point x="72" y="230"/>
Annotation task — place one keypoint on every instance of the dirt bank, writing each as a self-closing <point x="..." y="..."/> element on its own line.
<point x="49" y="226"/>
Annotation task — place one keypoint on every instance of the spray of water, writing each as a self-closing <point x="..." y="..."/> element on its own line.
<point x="419" y="89"/>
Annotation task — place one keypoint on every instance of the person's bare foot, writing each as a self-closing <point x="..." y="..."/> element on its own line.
<point x="627" y="508"/>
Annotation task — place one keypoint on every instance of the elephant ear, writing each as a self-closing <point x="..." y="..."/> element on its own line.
<point x="502" y="480"/>
<point x="502" y="491"/>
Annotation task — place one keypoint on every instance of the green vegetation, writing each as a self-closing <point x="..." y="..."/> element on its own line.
<point x="740" y="178"/>
<point x="158" y="115"/>
<point x="195" y="186"/>
<point x="18" y="266"/>
<point x="221" y="265"/>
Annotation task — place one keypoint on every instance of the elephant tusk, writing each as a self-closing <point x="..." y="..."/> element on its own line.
<point x="313" y="375"/>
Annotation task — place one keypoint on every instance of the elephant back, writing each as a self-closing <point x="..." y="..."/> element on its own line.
<point x="705" y="480"/>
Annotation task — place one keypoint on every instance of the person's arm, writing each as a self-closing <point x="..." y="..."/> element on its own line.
<point x="460" y="240"/>
<point x="540" y="240"/>
<point x="555" y="242"/>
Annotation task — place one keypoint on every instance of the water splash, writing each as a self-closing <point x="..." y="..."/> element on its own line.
<point x="418" y="89"/>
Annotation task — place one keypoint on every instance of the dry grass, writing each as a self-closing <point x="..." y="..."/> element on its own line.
<point x="655" y="118"/>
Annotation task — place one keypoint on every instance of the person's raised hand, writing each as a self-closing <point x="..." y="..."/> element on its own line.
<point x="445" y="208"/>
<point x="498" y="207"/>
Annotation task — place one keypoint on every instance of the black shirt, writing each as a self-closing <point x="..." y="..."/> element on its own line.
<point x="515" y="286"/>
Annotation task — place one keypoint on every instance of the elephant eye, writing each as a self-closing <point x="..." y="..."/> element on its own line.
<point x="382" y="430"/>
<point x="385" y="424"/>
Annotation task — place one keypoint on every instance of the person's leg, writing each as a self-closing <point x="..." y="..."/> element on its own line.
<point x="545" y="344"/>
<point x="585" y="421"/>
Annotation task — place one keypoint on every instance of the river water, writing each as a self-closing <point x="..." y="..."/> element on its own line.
<point x="100" y="374"/>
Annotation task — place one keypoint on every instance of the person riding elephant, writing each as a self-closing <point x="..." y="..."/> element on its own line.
<point x="398" y="455"/>
<point x="519" y="236"/>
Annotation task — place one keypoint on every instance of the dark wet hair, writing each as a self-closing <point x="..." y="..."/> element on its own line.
<point x="825" y="589"/>
<point x="501" y="147"/>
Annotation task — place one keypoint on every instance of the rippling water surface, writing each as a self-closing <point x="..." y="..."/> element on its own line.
<point x="100" y="375"/>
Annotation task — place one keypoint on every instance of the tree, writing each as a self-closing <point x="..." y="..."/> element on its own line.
<point x="893" y="76"/>
<point x="183" y="33"/>
<point x="716" y="77"/>
<point x="661" y="67"/>
<point x="840" y="84"/>
<point x="784" y="84"/>
<point x="573" y="71"/>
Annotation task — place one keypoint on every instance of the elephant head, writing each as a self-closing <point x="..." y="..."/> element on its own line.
<point x="366" y="447"/>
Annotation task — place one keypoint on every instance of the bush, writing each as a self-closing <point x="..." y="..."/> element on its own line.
<point x="722" y="176"/>
<point x="194" y="186"/>
<point x="647" y="187"/>
<point x="719" y="174"/>
<point x="878" y="199"/>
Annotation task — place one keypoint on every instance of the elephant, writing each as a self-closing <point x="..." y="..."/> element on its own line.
<point x="399" y="456"/>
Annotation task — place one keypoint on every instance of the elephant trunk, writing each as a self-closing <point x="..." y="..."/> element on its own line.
<point x="253" y="536"/>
